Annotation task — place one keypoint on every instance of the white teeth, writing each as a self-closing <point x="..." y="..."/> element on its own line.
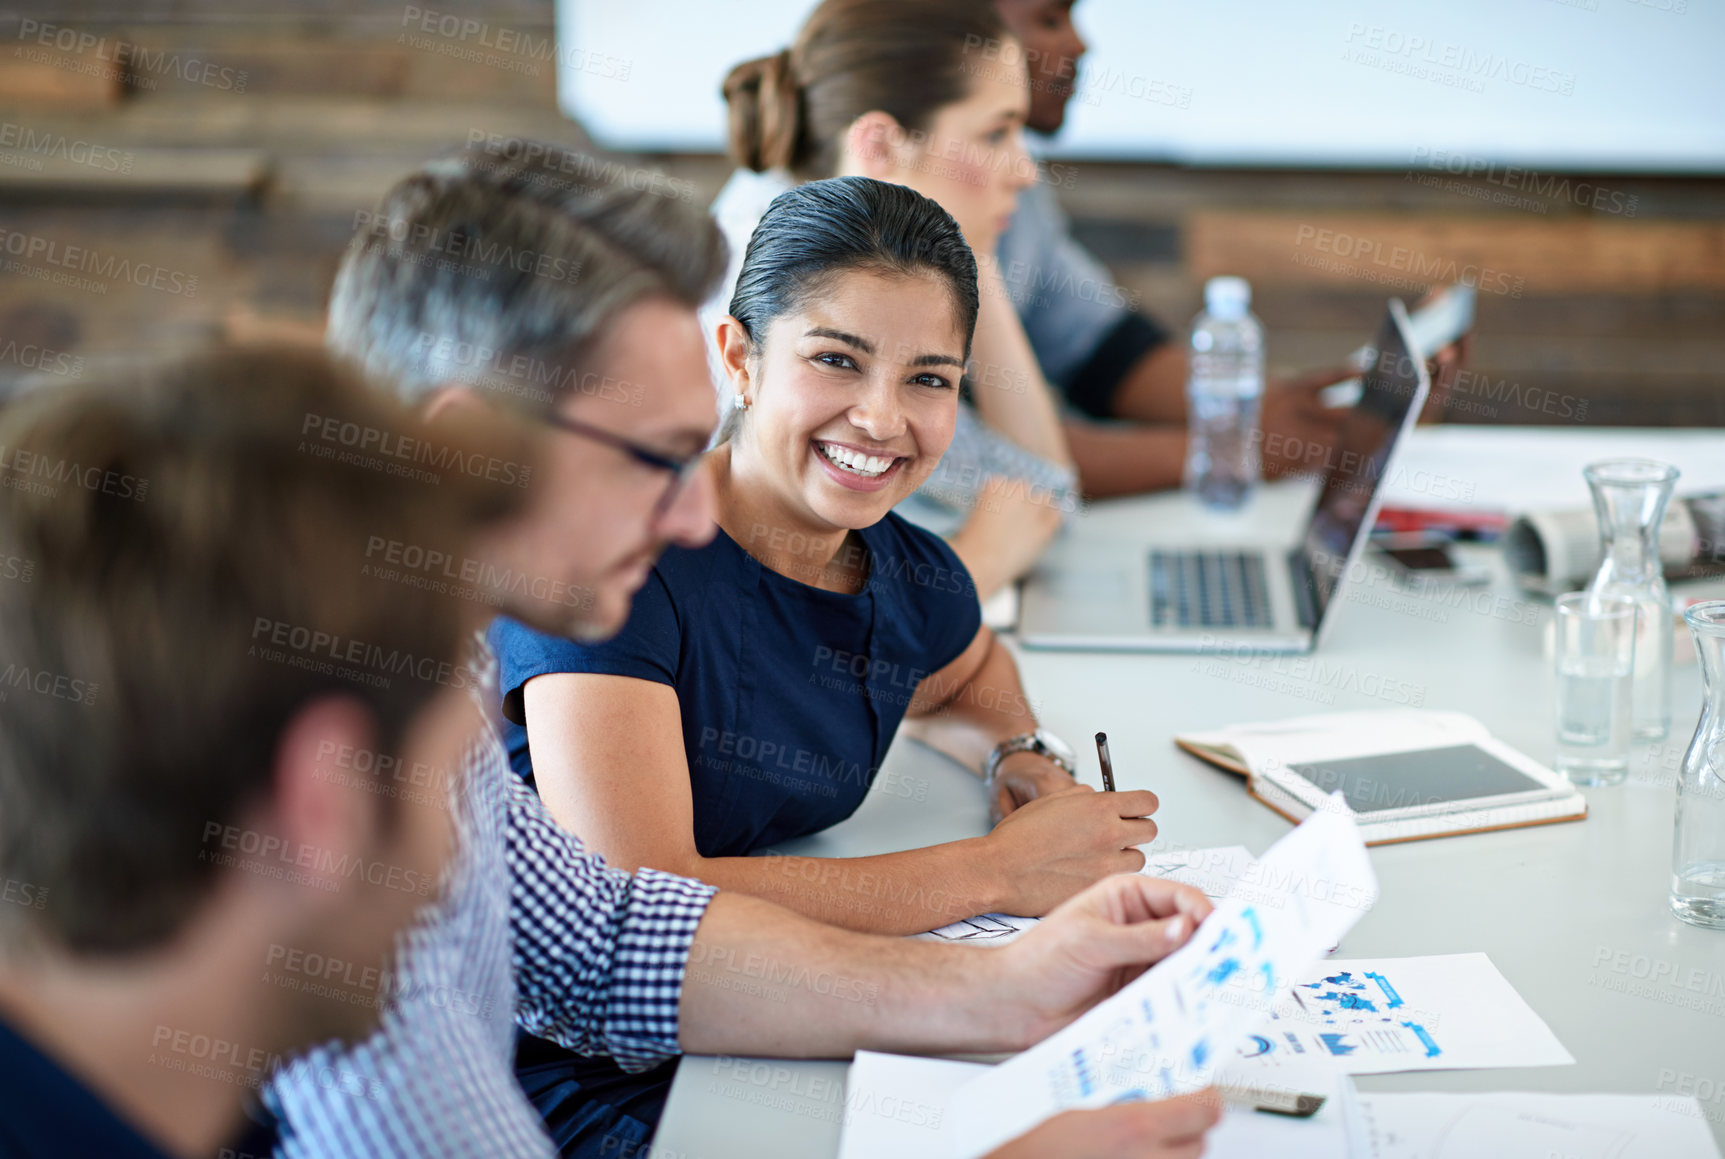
<point x="869" y="466"/>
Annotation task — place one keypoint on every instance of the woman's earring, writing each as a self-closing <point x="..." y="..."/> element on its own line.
<point x="739" y="402"/>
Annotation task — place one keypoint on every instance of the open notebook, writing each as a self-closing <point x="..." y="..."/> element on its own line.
<point x="1406" y="774"/>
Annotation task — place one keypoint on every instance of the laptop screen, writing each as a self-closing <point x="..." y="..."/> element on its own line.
<point x="1389" y="388"/>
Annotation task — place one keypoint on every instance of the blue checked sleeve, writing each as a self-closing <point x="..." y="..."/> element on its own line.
<point x="599" y="953"/>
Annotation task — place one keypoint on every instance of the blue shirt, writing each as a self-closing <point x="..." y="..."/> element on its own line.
<point x="45" y="1113"/>
<point x="789" y="694"/>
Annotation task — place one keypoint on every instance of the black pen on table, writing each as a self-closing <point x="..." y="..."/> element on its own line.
<point x="1107" y="764"/>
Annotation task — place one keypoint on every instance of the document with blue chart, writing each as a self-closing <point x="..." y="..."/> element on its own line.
<point x="1167" y="1031"/>
<point x="1372" y="1016"/>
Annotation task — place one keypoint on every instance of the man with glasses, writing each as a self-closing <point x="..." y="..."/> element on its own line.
<point x="680" y="468"/>
<point x="508" y="280"/>
<point x="498" y="282"/>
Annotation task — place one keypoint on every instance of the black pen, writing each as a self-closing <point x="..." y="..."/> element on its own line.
<point x="1107" y="765"/>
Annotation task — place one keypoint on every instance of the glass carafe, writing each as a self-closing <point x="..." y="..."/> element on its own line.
<point x="1698" y="852"/>
<point x="1629" y="496"/>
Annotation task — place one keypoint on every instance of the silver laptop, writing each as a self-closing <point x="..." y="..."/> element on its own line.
<point x="1100" y="589"/>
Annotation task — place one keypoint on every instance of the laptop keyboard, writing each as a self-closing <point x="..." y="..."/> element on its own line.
<point x="1208" y="589"/>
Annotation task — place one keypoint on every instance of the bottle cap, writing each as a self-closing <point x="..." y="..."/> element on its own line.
<point x="1227" y="297"/>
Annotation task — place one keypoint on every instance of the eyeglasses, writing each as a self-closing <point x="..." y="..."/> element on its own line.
<point x="681" y="469"/>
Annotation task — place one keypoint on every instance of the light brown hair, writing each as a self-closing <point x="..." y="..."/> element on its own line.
<point x="158" y="519"/>
<point x="906" y="58"/>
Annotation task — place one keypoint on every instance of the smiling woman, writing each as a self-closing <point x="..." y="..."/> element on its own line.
<point x="844" y="345"/>
<point x="932" y="95"/>
<point x="762" y="677"/>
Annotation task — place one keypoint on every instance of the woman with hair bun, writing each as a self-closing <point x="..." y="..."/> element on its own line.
<point x="931" y="94"/>
<point x="760" y="679"/>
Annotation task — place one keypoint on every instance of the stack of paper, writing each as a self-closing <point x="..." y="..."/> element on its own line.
<point x="1243" y="1005"/>
<point x="1165" y="1032"/>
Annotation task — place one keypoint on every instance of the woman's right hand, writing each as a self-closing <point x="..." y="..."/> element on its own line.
<point x="1050" y="848"/>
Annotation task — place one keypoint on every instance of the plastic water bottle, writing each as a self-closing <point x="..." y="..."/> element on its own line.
<point x="1223" y="396"/>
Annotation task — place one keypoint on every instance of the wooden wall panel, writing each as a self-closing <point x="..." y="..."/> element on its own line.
<point x="1512" y="256"/>
<point x="1619" y="295"/>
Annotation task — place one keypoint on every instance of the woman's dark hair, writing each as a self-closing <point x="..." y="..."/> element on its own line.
<point x="814" y="232"/>
<point x="905" y="58"/>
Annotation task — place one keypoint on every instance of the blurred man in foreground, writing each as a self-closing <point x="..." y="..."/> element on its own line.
<point x="200" y="693"/>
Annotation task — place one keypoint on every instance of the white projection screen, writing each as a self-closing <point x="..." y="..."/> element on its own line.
<point x="1590" y="85"/>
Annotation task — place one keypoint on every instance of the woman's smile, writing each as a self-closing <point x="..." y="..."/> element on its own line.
<point x="855" y="468"/>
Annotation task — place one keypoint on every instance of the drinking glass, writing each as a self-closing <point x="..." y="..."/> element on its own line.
<point x="1595" y="687"/>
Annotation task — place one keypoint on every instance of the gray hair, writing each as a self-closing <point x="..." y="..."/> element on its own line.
<point x="498" y="268"/>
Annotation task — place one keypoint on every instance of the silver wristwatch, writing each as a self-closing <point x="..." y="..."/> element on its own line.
<point x="1042" y="742"/>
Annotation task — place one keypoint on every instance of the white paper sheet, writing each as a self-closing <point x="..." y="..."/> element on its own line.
<point x="897" y="1108"/>
<point x="1444" y="1012"/>
<point x="1165" y="1032"/>
<point x="1247" y="1134"/>
<point x="1534" y="1126"/>
<point x="1215" y="871"/>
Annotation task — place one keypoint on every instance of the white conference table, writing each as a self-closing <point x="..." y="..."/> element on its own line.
<point x="1574" y="915"/>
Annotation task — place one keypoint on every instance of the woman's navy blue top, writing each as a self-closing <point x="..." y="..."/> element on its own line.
<point x="789" y="694"/>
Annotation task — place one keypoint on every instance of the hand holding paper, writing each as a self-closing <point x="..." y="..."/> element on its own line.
<point x="1164" y="1032"/>
<point x="1099" y="941"/>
